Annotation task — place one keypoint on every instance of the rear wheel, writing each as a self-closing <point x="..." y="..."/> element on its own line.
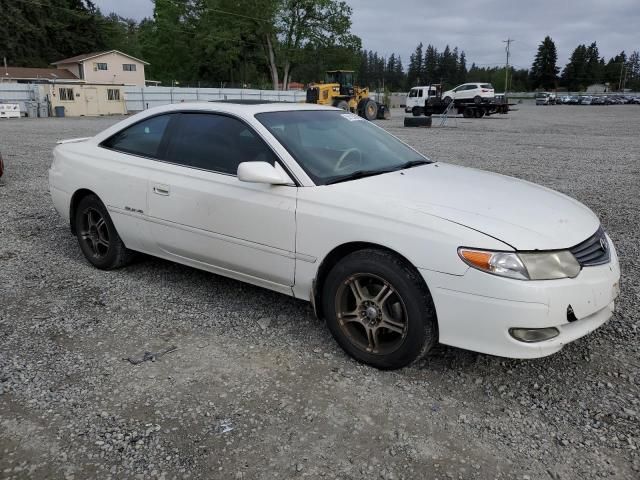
<point x="468" y="112"/>
<point x="477" y="100"/>
<point x="97" y="236"/>
<point x="342" y="104"/>
<point x="378" y="309"/>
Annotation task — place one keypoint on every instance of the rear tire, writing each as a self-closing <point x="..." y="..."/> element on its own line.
<point x="379" y="310"/>
<point x="97" y="236"/>
<point x="467" y="113"/>
<point x="477" y="100"/>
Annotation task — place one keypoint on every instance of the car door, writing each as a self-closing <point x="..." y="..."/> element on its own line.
<point x="202" y="214"/>
<point x="120" y="177"/>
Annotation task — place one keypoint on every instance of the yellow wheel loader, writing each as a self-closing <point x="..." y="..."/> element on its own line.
<point x="339" y="91"/>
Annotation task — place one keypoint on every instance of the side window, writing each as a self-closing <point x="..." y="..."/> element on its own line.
<point x="215" y="142"/>
<point x="413" y="93"/>
<point x="143" y="138"/>
<point x="420" y="92"/>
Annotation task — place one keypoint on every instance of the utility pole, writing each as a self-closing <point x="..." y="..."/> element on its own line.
<point x="506" y="68"/>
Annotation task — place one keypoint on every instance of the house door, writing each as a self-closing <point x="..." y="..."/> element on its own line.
<point x="91" y="97"/>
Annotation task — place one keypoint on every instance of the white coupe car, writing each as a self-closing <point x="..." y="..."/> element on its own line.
<point x="395" y="251"/>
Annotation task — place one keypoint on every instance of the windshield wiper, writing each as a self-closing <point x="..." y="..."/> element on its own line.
<point x="413" y="163"/>
<point x="369" y="173"/>
<point x="358" y="174"/>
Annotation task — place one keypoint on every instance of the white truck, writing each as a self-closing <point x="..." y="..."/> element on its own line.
<point x="416" y="99"/>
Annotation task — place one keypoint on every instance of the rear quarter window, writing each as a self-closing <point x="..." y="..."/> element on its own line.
<point x="142" y="138"/>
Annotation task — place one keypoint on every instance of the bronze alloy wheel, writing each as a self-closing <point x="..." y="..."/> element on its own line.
<point x="371" y="314"/>
<point x="94" y="232"/>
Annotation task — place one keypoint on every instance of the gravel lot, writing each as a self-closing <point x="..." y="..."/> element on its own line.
<point x="258" y="389"/>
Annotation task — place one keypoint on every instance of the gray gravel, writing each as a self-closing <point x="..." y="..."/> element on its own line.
<point x="258" y="389"/>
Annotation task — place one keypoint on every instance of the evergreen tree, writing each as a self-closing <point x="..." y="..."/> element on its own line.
<point x="593" y="69"/>
<point x="615" y="70"/>
<point x="400" y="76"/>
<point x="431" y="65"/>
<point x="415" y="72"/>
<point x="544" y="72"/>
<point x="574" y="75"/>
<point x="462" y="68"/>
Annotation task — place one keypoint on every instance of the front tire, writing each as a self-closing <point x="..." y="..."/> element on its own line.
<point x="370" y="110"/>
<point x="97" y="236"/>
<point x="342" y="105"/>
<point x="379" y="310"/>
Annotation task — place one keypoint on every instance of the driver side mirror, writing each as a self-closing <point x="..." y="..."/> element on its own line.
<point x="261" y="172"/>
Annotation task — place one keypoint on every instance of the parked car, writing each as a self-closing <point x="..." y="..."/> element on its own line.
<point x="416" y="99"/>
<point x="476" y="92"/>
<point x="545" y="98"/>
<point x="396" y="251"/>
<point x="584" y="100"/>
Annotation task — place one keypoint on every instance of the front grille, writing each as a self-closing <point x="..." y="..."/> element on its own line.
<point x="593" y="251"/>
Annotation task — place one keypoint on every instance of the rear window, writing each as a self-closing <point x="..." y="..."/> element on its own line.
<point x="487" y="85"/>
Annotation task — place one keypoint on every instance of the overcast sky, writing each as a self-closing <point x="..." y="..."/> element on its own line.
<point x="477" y="26"/>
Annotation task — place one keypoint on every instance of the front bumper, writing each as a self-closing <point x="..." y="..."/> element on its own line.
<point x="476" y="310"/>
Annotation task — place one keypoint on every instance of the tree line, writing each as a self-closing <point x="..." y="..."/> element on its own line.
<point x="585" y="67"/>
<point x="269" y="43"/>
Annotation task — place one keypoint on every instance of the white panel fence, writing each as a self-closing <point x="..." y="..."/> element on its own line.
<point x="141" y="98"/>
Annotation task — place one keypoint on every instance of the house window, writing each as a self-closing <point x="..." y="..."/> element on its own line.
<point x="113" y="94"/>
<point x="66" y="94"/>
<point x="129" y="67"/>
<point x="101" y="66"/>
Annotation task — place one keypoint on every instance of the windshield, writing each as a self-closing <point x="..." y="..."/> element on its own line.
<point x="333" y="145"/>
<point x="343" y="78"/>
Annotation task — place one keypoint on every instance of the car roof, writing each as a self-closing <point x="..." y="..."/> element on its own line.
<point x="239" y="107"/>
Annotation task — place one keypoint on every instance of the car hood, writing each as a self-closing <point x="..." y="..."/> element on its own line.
<point x="519" y="213"/>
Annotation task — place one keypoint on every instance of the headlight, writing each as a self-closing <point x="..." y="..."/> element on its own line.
<point x="523" y="266"/>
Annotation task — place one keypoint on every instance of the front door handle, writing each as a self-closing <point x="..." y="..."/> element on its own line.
<point x="161" y="189"/>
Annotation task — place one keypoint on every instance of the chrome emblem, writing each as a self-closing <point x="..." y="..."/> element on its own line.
<point x="603" y="244"/>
